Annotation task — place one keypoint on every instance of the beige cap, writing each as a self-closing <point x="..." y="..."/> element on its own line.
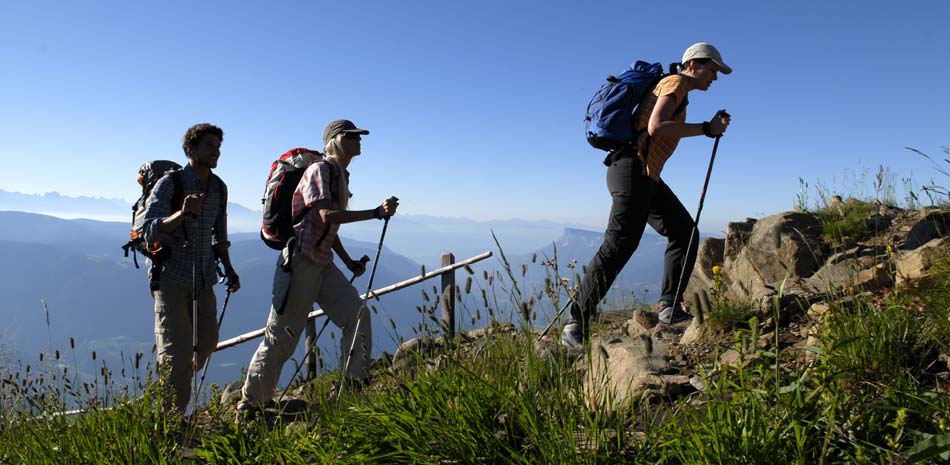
<point x="704" y="50"/>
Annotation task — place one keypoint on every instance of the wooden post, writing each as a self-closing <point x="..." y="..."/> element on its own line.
<point x="448" y="297"/>
<point x="311" y="360"/>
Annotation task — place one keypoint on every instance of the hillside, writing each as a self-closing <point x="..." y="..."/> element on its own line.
<point x="819" y="337"/>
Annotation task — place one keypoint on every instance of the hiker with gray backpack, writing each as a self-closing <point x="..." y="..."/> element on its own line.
<point x="639" y="118"/>
<point x="184" y="231"/>
<point x="305" y="272"/>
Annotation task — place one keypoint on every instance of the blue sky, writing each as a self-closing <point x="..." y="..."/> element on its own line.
<point x="475" y="108"/>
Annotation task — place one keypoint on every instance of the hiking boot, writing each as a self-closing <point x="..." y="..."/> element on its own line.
<point x="671" y="316"/>
<point x="351" y="386"/>
<point x="573" y="336"/>
<point x="245" y="412"/>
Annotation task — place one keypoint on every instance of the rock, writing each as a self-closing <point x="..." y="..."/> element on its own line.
<point x="694" y="333"/>
<point x="932" y="225"/>
<point x="698" y="383"/>
<point x="737" y="235"/>
<point x="873" y="278"/>
<point x="641" y="322"/>
<point x="759" y="255"/>
<point x="489" y="330"/>
<point x="711" y="253"/>
<point x="840" y="274"/>
<point x="818" y="310"/>
<point x="730" y="358"/>
<point x="617" y="375"/>
<point x="231" y="393"/>
<point x="677" y="385"/>
<point x="917" y="265"/>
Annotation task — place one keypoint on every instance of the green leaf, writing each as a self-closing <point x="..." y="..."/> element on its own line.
<point x="929" y="448"/>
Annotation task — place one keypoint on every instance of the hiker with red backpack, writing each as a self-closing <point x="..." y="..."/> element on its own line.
<point x="305" y="270"/>
<point x="641" y="133"/>
<point x="185" y="214"/>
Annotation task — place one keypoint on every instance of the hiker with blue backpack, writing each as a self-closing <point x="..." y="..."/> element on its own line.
<point x="305" y="270"/>
<point x="639" y="117"/>
<point x="185" y="232"/>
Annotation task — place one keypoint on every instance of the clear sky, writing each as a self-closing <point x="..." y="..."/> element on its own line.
<point x="475" y="108"/>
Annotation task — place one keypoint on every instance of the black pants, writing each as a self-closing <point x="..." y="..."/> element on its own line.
<point x="638" y="200"/>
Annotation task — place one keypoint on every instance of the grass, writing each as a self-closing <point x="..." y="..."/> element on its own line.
<point x="845" y="222"/>
<point x="869" y="398"/>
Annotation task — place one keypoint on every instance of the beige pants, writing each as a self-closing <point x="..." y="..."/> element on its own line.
<point x="173" y="335"/>
<point x="305" y="284"/>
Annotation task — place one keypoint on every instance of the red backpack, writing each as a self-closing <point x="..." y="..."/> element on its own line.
<point x="285" y="173"/>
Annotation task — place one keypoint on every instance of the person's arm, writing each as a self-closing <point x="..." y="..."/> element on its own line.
<point x="661" y="121"/>
<point x="358" y="268"/>
<point x="662" y="124"/>
<point x="220" y="244"/>
<point x="159" y="218"/>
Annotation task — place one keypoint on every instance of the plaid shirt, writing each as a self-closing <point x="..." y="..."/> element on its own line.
<point x="210" y="228"/>
<point x="319" y="182"/>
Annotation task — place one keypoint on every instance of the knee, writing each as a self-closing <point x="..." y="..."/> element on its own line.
<point x="618" y="245"/>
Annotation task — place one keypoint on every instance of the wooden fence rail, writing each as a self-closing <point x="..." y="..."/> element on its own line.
<point x="448" y="304"/>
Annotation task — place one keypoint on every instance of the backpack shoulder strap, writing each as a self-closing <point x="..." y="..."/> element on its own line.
<point x="178" y="190"/>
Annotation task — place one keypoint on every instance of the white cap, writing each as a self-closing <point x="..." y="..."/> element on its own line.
<point x="704" y="50"/>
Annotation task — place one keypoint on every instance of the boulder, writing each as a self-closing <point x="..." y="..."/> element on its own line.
<point x="710" y="254"/>
<point x="784" y="247"/>
<point x="619" y="374"/>
<point x="641" y="323"/>
<point x="737" y="235"/>
<point x="917" y="265"/>
<point x="933" y="224"/>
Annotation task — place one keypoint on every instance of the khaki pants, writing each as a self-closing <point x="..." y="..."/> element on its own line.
<point x="297" y="290"/>
<point x="173" y="333"/>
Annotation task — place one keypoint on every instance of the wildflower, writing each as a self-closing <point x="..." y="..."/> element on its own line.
<point x="890" y="249"/>
<point x="717" y="269"/>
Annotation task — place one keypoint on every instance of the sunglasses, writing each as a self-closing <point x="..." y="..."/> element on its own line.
<point x="352" y="135"/>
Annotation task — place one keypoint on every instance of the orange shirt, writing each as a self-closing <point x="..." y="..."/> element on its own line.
<point x="661" y="149"/>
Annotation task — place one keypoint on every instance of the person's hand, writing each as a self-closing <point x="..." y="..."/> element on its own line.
<point x="358" y="267"/>
<point x="387" y="209"/>
<point x="719" y="122"/>
<point x="191" y="206"/>
<point x="232" y="281"/>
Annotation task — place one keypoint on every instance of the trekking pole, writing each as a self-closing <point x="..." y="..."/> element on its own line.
<point x="204" y="372"/>
<point x="312" y="348"/>
<point x="194" y="321"/>
<point x="695" y="231"/>
<point x="359" y="313"/>
<point x="557" y="317"/>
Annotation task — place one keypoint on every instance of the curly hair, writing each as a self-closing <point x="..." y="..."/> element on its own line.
<point x="194" y="134"/>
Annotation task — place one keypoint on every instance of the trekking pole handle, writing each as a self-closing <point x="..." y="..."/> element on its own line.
<point x="364" y="260"/>
<point x="393" y="198"/>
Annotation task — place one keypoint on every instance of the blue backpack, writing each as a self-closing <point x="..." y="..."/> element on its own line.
<point x="610" y="114"/>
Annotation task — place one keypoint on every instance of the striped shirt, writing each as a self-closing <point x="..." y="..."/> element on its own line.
<point x="661" y="148"/>
<point x="314" y="237"/>
<point x="210" y="228"/>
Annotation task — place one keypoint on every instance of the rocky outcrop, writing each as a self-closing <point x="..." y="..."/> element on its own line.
<point x="760" y="255"/>
<point x="786" y="252"/>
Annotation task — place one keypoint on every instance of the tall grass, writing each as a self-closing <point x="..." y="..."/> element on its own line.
<point x="869" y="397"/>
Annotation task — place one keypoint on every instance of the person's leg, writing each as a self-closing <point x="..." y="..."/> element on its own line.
<point x="173" y="341"/>
<point x="207" y="325"/>
<point x="670" y="219"/>
<point x="283" y="328"/>
<point x="631" y="193"/>
<point x="342" y="304"/>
